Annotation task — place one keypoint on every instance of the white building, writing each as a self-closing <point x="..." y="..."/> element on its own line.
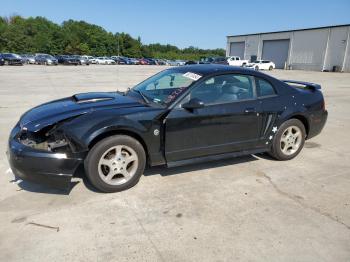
<point x="323" y="48"/>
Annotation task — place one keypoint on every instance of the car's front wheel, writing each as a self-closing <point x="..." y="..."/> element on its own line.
<point x="257" y="68"/>
<point x="270" y="68"/>
<point x="289" y="140"/>
<point x="115" y="163"/>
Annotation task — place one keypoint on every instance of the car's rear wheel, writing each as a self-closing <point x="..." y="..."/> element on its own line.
<point x="270" y="68"/>
<point x="256" y="68"/>
<point x="115" y="163"/>
<point x="289" y="140"/>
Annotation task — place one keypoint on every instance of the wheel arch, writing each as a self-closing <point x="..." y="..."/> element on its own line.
<point x="303" y="120"/>
<point x="109" y="133"/>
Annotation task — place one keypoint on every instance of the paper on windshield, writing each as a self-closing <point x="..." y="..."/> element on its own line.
<point x="192" y="76"/>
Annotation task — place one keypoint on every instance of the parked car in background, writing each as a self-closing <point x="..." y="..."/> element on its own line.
<point x="182" y="115"/>
<point x="171" y="63"/>
<point x="12" y="59"/>
<point x="261" y="65"/>
<point x="103" y="60"/>
<point x="236" y="61"/>
<point x="67" y="60"/>
<point x="214" y="60"/>
<point x="134" y="61"/>
<point x="2" y="60"/>
<point x="143" y="61"/>
<point x="82" y="60"/>
<point x="191" y="62"/>
<point x="151" y="61"/>
<point x="45" y="59"/>
<point x="120" y="60"/>
<point x="28" y="58"/>
<point x="92" y="59"/>
<point x="180" y="62"/>
<point x="161" y="62"/>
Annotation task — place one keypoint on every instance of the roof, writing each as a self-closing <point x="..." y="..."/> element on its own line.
<point x="208" y="69"/>
<point x="293" y="30"/>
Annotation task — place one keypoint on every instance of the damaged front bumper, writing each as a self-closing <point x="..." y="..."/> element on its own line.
<point x="39" y="166"/>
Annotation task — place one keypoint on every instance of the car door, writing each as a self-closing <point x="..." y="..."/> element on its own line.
<point x="270" y="106"/>
<point x="229" y="120"/>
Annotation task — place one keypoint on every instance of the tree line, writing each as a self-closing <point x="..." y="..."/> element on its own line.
<point x="40" y="35"/>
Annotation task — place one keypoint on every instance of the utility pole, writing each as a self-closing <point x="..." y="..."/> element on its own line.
<point x="118" y="48"/>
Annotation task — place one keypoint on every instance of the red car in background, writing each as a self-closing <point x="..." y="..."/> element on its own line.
<point x="143" y="61"/>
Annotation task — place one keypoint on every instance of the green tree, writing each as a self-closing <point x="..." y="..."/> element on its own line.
<point x="39" y="35"/>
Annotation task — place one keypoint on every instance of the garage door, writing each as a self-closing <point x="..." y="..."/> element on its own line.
<point x="276" y="51"/>
<point x="237" y="49"/>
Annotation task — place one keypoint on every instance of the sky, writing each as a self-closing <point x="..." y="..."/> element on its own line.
<point x="199" y="23"/>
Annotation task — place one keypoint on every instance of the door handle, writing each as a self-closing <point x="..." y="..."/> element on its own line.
<point x="249" y="110"/>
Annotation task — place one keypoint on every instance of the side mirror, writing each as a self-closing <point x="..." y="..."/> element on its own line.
<point x="194" y="103"/>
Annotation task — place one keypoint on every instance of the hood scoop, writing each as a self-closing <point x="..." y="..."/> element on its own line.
<point x="92" y="97"/>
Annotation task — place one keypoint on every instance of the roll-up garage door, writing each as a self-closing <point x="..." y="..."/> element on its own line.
<point x="276" y="51"/>
<point x="237" y="49"/>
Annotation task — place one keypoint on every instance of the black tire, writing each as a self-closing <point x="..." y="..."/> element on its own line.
<point x="257" y="68"/>
<point x="95" y="154"/>
<point x="270" y="68"/>
<point x="276" y="151"/>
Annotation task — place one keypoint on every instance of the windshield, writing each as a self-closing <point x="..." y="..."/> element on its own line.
<point x="166" y="86"/>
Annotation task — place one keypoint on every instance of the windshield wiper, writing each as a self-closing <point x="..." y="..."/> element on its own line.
<point x="141" y="94"/>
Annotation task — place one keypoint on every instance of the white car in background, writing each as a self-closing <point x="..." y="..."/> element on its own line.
<point x="91" y="59"/>
<point x="236" y="61"/>
<point x="261" y="65"/>
<point x="103" y="60"/>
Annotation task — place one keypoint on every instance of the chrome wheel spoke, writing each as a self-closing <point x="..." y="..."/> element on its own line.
<point x="106" y="162"/>
<point x="118" y="165"/>
<point x="290" y="140"/>
<point x="130" y="159"/>
<point x="125" y="174"/>
<point x="110" y="175"/>
<point x="118" y="151"/>
<point x="297" y="134"/>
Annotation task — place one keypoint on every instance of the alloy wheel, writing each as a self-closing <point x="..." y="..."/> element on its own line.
<point x="291" y="140"/>
<point x="118" y="165"/>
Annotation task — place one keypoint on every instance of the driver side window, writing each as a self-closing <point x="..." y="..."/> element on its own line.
<point x="224" y="89"/>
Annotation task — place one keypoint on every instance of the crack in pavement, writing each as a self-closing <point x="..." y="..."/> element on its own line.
<point x="297" y="200"/>
<point x="145" y="231"/>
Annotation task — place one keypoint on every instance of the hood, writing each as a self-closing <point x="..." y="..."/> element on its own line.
<point x="79" y="104"/>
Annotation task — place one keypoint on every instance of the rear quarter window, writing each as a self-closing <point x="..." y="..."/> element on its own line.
<point x="264" y="88"/>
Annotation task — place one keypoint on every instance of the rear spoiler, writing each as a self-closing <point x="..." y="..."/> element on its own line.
<point x="302" y="84"/>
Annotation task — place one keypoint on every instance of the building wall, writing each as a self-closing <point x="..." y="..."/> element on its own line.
<point x="308" y="49"/>
<point x="315" y="49"/>
<point x="336" y="47"/>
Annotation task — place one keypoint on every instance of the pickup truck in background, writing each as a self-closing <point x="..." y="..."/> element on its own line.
<point x="236" y="61"/>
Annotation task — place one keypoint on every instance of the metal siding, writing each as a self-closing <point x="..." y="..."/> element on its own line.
<point x="309" y="49"/>
<point x="237" y="49"/>
<point x="276" y="51"/>
<point x="346" y="67"/>
<point x="336" y="48"/>
<point x="251" y="46"/>
<point x="346" y="58"/>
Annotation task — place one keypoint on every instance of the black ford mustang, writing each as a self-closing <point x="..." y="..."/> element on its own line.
<point x="181" y="115"/>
